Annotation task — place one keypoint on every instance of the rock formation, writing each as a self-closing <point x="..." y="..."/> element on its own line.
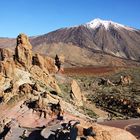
<point x="126" y="80"/>
<point x="7" y="65"/>
<point x="23" y="51"/>
<point x="76" y="94"/>
<point x="23" y="69"/>
<point x="7" y="68"/>
<point x="45" y="63"/>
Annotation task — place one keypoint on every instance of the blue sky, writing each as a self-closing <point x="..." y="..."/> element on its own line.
<point x="36" y="17"/>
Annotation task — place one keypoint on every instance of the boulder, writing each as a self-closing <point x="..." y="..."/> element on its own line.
<point x="111" y="133"/>
<point x="102" y="132"/>
<point x="55" y="86"/>
<point x="23" y="51"/>
<point x="125" y="80"/>
<point x="76" y="94"/>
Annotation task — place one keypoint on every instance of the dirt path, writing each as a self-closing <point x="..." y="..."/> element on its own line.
<point x="102" y="114"/>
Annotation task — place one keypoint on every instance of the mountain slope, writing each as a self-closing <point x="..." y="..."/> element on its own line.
<point x="92" y="42"/>
<point x="7" y="42"/>
<point x="97" y="42"/>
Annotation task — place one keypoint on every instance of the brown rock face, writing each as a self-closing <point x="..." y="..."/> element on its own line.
<point x="38" y="60"/>
<point x="25" y="88"/>
<point x="76" y="93"/>
<point x="5" y="54"/>
<point x="7" y="68"/>
<point x="7" y="64"/>
<point x="45" y="63"/>
<point x="44" y="77"/>
<point x="23" y="52"/>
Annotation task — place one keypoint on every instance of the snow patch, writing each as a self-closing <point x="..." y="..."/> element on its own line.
<point x="106" y="24"/>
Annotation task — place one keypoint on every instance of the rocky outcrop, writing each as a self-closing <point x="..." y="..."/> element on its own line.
<point x="24" y="70"/>
<point x="7" y="68"/>
<point x="45" y="63"/>
<point x="49" y="64"/>
<point x="76" y="94"/>
<point x="7" y="65"/>
<point x="38" y="60"/>
<point x="5" y="54"/>
<point x="45" y="78"/>
<point x="23" y="51"/>
<point x="125" y="80"/>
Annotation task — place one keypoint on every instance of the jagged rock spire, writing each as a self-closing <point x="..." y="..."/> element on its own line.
<point x="23" y="51"/>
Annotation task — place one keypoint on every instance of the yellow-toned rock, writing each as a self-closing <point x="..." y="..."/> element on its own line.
<point x="76" y="94"/>
<point x="23" y="51"/>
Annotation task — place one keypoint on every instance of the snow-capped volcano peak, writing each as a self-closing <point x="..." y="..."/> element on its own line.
<point x="98" y="22"/>
<point x="106" y="24"/>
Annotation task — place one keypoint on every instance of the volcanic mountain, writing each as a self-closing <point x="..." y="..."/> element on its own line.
<point x="98" y="42"/>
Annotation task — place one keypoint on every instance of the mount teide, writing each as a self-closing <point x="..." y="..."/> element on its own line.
<point x="97" y="42"/>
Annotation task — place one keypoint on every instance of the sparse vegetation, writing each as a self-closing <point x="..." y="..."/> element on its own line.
<point x="65" y="88"/>
<point x="89" y="112"/>
<point x="120" y="100"/>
